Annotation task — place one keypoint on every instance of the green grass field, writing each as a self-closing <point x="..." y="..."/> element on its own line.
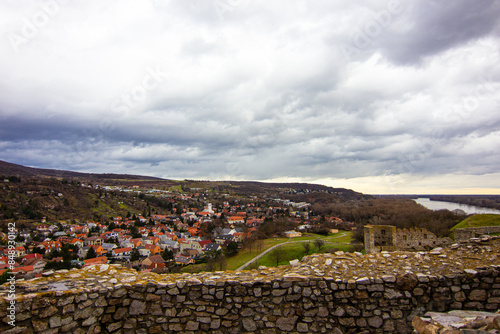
<point x="479" y="220"/>
<point x="176" y="188"/>
<point x="193" y="268"/>
<point x="245" y="255"/>
<point x="294" y="249"/>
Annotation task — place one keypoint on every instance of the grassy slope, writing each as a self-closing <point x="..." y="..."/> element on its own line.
<point x="479" y="220"/>
<point x="294" y="250"/>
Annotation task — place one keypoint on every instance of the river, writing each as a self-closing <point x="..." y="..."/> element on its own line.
<point x="440" y="205"/>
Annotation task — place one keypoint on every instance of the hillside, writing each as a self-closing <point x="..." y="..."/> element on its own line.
<point x="28" y="194"/>
<point x="298" y="192"/>
<point x="36" y="197"/>
<point x="240" y="187"/>
<point x="10" y="169"/>
<point x="478" y="221"/>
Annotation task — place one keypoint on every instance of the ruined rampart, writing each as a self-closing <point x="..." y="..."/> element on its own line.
<point x="419" y="239"/>
<point x="328" y="293"/>
<point x="474" y="232"/>
<point x="380" y="238"/>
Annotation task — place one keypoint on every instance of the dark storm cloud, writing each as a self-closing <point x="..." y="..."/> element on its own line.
<point x="429" y="27"/>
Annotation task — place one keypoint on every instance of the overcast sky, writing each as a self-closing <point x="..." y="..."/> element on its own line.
<point x="377" y="96"/>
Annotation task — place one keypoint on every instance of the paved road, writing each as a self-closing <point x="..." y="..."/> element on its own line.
<point x="278" y="245"/>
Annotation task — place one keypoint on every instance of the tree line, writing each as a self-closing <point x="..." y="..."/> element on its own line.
<point x="399" y="212"/>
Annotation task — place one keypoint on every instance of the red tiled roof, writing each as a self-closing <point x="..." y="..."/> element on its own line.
<point x="156" y="265"/>
<point x="122" y="250"/>
<point x="33" y="256"/>
<point x="204" y="242"/>
<point x="97" y="260"/>
<point x="25" y="268"/>
<point x="156" y="259"/>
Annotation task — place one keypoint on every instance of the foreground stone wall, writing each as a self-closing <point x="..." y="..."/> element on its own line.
<point x="337" y="293"/>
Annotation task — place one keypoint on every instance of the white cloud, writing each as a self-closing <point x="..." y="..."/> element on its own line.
<point x="254" y="90"/>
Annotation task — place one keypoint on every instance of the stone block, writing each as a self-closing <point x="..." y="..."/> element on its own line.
<point x="39" y="325"/>
<point x="302" y="327"/>
<point x="375" y="322"/>
<point x="192" y="326"/>
<point x="137" y="307"/>
<point x="72" y="325"/>
<point x="249" y="324"/>
<point x="47" y="312"/>
<point x="286" y="324"/>
<point x="89" y="321"/>
<point x="130" y="323"/>
<point x="478" y="295"/>
<point x="55" y="322"/>
<point x="113" y="326"/>
<point x="65" y="301"/>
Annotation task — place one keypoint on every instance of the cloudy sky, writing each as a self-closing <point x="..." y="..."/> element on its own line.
<point x="377" y="96"/>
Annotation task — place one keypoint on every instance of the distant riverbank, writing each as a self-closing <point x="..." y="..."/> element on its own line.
<point x="440" y="205"/>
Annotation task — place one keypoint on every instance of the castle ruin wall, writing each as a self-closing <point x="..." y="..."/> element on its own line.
<point x="332" y="293"/>
<point x="474" y="232"/>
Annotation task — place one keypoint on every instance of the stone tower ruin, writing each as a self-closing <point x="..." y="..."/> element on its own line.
<point x="380" y="238"/>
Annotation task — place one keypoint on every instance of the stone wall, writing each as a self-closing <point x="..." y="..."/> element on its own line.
<point x="419" y="239"/>
<point x="380" y="238"/>
<point x="328" y="293"/>
<point x="474" y="232"/>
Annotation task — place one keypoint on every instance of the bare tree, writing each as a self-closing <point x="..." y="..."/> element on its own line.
<point x="210" y="265"/>
<point x="278" y="255"/>
<point x="249" y="243"/>
<point x="319" y="243"/>
<point x="216" y="260"/>
<point x="221" y="261"/>
<point x="307" y="247"/>
<point x="259" y="243"/>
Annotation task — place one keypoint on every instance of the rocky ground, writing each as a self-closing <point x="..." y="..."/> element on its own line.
<point x="457" y="322"/>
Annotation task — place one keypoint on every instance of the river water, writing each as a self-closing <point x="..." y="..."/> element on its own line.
<point x="440" y="205"/>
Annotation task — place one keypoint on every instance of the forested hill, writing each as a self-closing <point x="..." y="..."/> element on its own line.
<point x="28" y="194"/>
<point x="298" y="192"/>
<point x="32" y="193"/>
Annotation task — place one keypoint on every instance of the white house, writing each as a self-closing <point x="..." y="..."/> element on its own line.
<point x="143" y="251"/>
<point x="121" y="253"/>
<point x="169" y="244"/>
<point x="114" y="234"/>
<point x="39" y="264"/>
<point x="293" y="234"/>
<point x="126" y="243"/>
<point x="109" y="247"/>
<point x="146" y="241"/>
